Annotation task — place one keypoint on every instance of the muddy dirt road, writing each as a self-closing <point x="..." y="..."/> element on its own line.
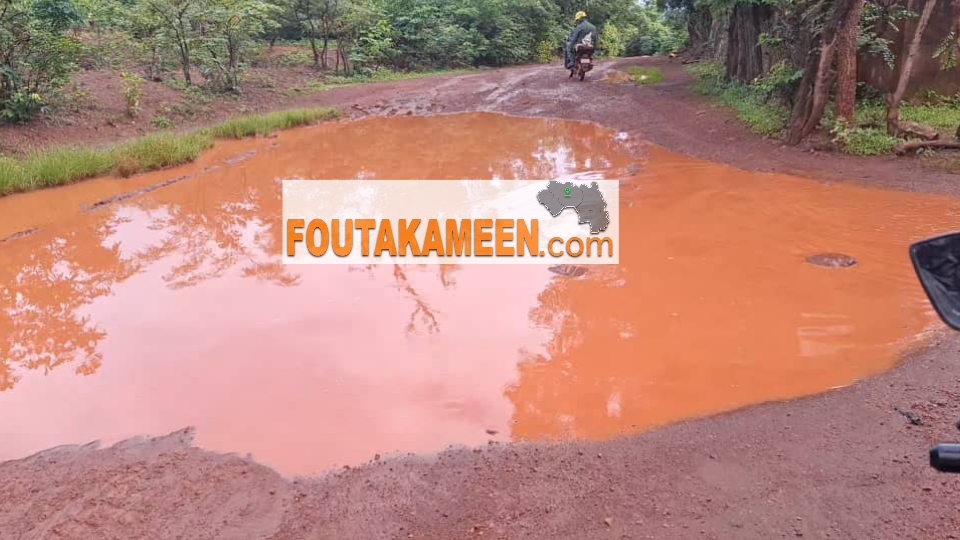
<point x="844" y="464"/>
<point x="668" y="114"/>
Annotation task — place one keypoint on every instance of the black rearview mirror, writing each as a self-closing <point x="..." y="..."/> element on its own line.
<point x="937" y="263"/>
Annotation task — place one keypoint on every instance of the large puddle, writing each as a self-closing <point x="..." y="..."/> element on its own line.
<point x="171" y="308"/>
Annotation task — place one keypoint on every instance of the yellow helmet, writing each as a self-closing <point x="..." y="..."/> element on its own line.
<point x="579" y="15"/>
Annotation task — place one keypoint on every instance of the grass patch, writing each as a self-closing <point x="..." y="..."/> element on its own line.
<point x="264" y="124"/>
<point x="159" y="150"/>
<point x="381" y="75"/>
<point x="63" y="165"/>
<point x="645" y="75"/>
<point x="863" y="141"/>
<point x="770" y="116"/>
<point x="941" y="116"/>
<point x="762" y="115"/>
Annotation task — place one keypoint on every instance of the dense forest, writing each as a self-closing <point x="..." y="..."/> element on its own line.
<point x="818" y="63"/>
<point x="211" y="43"/>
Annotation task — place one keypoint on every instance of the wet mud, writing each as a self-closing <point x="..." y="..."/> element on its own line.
<point x="170" y="308"/>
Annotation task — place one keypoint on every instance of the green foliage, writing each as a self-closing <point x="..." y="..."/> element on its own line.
<point x="37" y="57"/>
<point x="230" y="28"/>
<point x="709" y="77"/>
<point x="161" y="122"/>
<point x="947" y="51"/>
<point x="614" y="40"/>
<point x="752" y="102"/>
<point x="58" y="15"/>
<point x="132" y="92"/>
<point x="877" y="19"/>
<point x="781" y="82"/>
<point x="544" y="53"/>
<point x="861" y="141"/>
<point x="760" y="115"/>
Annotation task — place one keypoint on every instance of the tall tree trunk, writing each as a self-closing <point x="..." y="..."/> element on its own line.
<point x="718" y="38"/>
<point x="323" y="52"/>
<point x="808" y="109"/>
<point x="847" y="62"/>
<point x="744" y="56"/>
<point x="185" y="63"/>
<point x="699" y="24"/>
<point x="906" y="66"/>
<point x="315" y="51"/>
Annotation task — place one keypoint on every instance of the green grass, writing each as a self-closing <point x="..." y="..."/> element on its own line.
<point x="645" y="75"/>
<point x="763" y="116"/>
<point x="942" y="116"/>
<point x="336" y="81"/>
<point x="769" y="117"/>
<point x="869" y="142"/>
<point x="264" y="124"/>
<point x="62" y="165"/>
<point x="159" y="150"/>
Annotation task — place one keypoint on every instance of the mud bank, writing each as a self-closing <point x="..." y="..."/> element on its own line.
<point x="839" y="465"/>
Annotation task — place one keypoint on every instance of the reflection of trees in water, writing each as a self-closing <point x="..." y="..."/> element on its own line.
<point x="555" y="154"/>
<point x="422" y="311"/>
<point x="571" y="383"/>
<point x="41" y="318"/>
<point x="221" y="236"/>
<point x="46" y="288"/>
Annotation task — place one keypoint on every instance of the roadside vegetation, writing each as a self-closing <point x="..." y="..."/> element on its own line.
<point x="145" y="67"/>
<point x="789" y="68"/>
<point x="56" y="166"/>
<point x="211" y="49"/>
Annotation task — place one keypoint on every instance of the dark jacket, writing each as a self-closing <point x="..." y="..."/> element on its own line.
<point x="581" y="31"/>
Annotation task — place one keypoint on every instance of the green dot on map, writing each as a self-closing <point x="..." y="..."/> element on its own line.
<point x="566" y="191"/>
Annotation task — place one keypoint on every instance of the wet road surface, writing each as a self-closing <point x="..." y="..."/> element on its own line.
<point x="171" y="308"/>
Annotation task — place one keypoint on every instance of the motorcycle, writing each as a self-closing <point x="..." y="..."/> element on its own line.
<point x="937" y="263"/>
<point x="582" y="61"/>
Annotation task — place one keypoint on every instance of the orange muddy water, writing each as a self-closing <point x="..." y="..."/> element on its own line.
<point x="171" y="308"/>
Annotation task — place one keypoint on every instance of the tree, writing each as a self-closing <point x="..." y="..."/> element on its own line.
<point x="895" y="97"/>
<point x="847" y="63"/>
<point x="174" y="19"/>
<point x="232" y="27"/>
<point x="36" y="57"/>
<point x="817" y="78"/>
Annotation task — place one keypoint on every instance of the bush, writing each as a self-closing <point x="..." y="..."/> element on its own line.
<point x="709" y="77"/>
<point x="38" y="58"/>
<point x="780" y="83"/>
<point x="132" y="92"/>
<point x="544" y="53"/>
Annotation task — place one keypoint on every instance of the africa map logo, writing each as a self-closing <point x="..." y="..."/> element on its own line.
<point x="587" y="202"/>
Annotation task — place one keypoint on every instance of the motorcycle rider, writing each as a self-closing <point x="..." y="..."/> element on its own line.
<point x="583" y="33"/>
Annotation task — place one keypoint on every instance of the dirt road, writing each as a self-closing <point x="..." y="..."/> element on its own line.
<point x="844" y="464"/>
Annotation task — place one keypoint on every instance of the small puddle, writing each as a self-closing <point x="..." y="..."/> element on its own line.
<point x="171" y="308"/>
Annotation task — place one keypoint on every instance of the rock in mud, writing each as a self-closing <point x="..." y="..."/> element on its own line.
<point x="568" y="270"/>
<point x="832" y="260"/>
